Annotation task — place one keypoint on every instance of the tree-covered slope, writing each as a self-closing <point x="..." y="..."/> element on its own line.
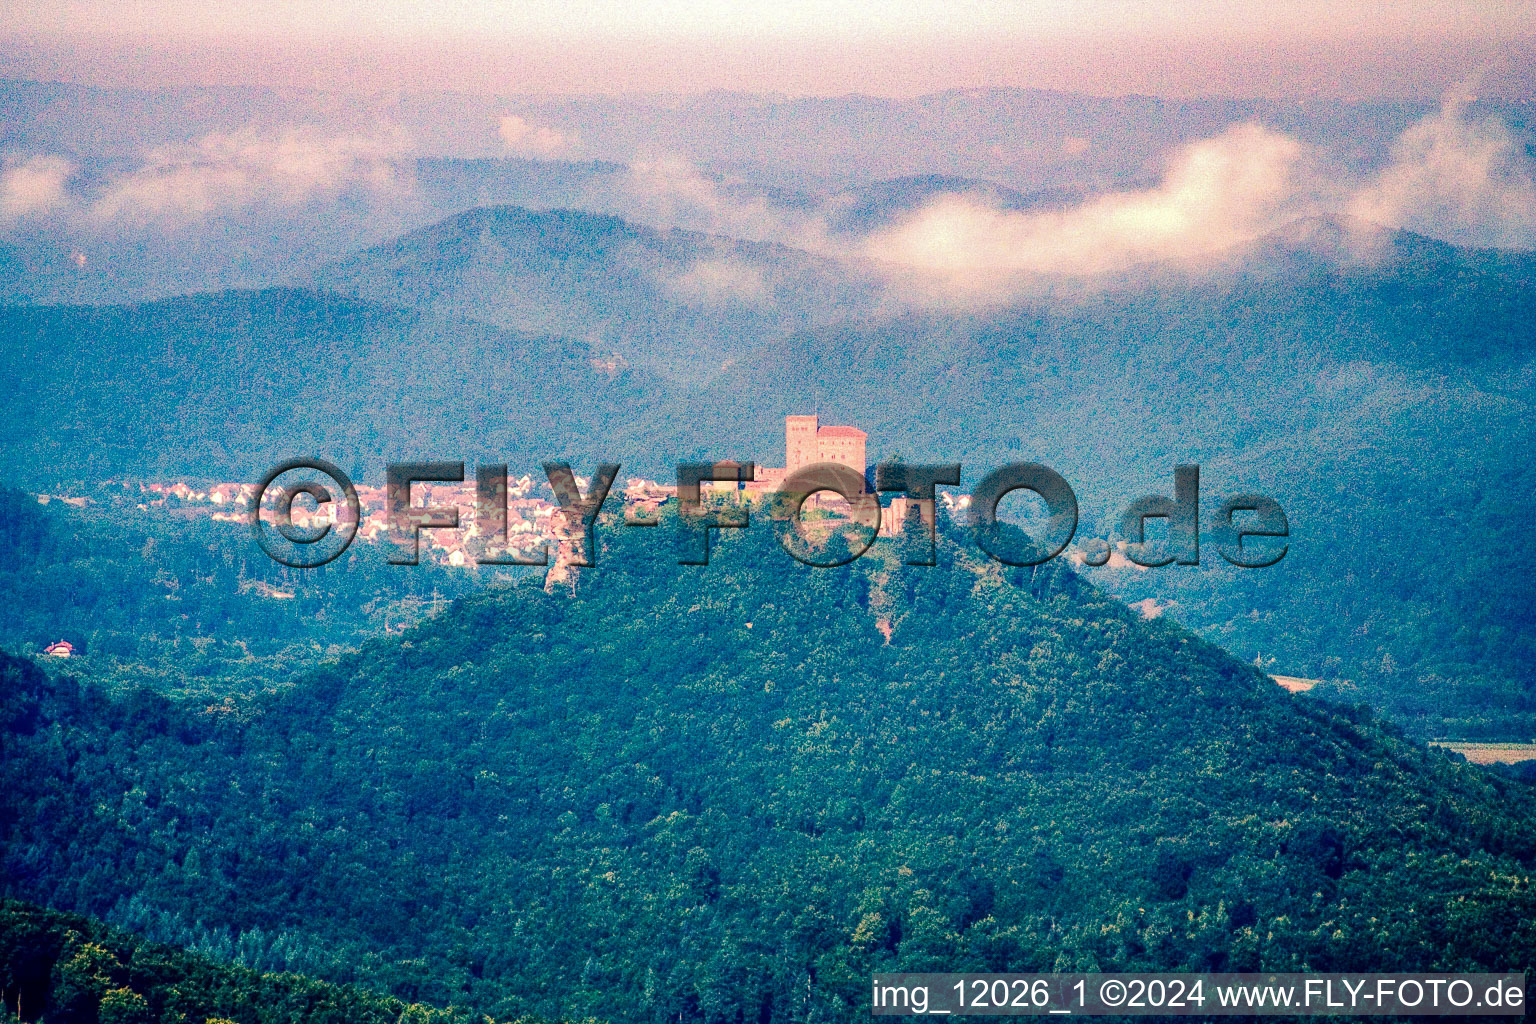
<point x="676" y="302"/>
<point x="733" y="791"/>
<point x="166" y="598"/>
<point x="1388" y="407"/>
<point x="226" y="385"/>
<point x="65" y="969"/>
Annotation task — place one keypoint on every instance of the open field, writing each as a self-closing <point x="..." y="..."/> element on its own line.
<point x="1296" y="684"/>
<point x="1492" y="753"/>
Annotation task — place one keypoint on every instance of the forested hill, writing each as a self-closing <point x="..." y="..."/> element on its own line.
<point x="223" y="386"/>
<point x="1386" y="406"/>
<point x="63" y="967"/>
<point x="731" y="792"/>
<point x="678" y="303"/>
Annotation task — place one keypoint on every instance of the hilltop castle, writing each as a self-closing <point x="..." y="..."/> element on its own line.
<point x="806" y="443"/>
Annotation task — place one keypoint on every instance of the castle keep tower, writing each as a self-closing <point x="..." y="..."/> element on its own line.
<point x="807" y="443"/>
<point x="799" y="442"/>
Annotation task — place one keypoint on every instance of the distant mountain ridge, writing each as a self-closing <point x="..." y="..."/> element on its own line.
<point x="677" y="302"/>
<point x="879" y="204"/>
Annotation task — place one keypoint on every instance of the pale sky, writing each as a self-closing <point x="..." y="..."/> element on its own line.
<point x="894" y="47"/>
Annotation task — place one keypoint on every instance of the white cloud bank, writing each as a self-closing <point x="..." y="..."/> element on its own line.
<point x="1217" y="193"/>
<point x="670" y="190"/>
<point x="1450" y="176"/>
<point x="179" y="186"/>
<point x="228" y="172"/>
<point x="37" y="185"/>
<point x="1468" y="182"/>
<point x="530" y="139"/>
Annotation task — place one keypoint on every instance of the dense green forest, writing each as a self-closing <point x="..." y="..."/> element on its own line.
<point x="1387" y="408"/>
<point x="224" y="386"/>
<point x="65" y="969"/>
<point x="169" y="598"/>
<point x="1386" y="405"/>
<point x="640" y="792"/>
<point x="729" y="792"/>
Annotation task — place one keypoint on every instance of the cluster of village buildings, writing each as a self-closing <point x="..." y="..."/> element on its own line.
<point x="534" y="524"/>
<point x="532" y="513"/>
<point x="533" y="520"/>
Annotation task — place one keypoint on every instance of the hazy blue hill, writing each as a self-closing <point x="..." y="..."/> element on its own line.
<point x="1401" y="297"/>
<point x="105" y="121"/>
<point x="34" y="267"/>
<point x="1216" y="362"/>
<point x="453" y="174"/>
<point x="453" y="185"/>
<point x="726" y="792"/>
<point x="12" y="272"/>
<point x="879" y="204"/>
<point x="1014" y="136"/>
<point x="226" y="385"/>
<point x="875" y="205"/>
<point x="677" y="302"/>
<point x="1020" y="138"/>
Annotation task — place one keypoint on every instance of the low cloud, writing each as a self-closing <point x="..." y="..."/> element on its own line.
<point x="228" y="172"/>
<point x="719" y="283"/>
<point x="1465" y="181"/>
<point x="37" y="185"/>
<point x="530" y="139"/>
<point x="1454" y="176"/>
<point x="1216" y="194"/>
<point x="671" y="191"/>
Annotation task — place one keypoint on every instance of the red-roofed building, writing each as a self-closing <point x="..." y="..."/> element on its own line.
<point x="843" y="445"/>
<point x="62" y="649"/>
